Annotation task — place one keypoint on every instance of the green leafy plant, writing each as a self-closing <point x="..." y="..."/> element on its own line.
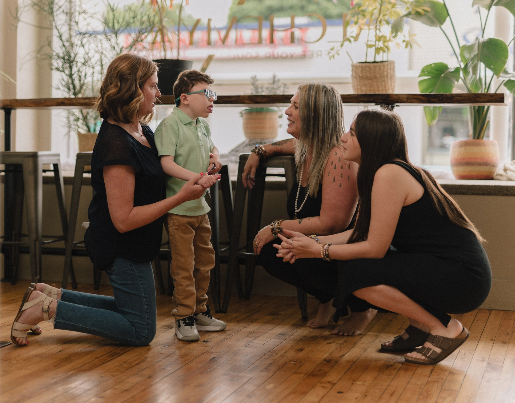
<point x="274" y="87"/>
<point x="157" y="32"/>
<point x="81" y="46"/>
<point x="478" y="62"/>
<point x="376" y="17"/>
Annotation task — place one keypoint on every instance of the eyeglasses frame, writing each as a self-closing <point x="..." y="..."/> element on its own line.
<point x="205" y="91"/>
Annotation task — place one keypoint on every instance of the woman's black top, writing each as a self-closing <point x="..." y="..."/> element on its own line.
<point x="421" y="229"/>
<point x="311" y="208"/>
<point x="114" y="146"/>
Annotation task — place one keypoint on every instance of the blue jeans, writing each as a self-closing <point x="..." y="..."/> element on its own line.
<point x="129" y="317"/>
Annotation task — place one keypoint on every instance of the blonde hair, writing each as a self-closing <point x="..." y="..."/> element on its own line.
<point x="321" y="127"/>
<point x="120" y="94"/>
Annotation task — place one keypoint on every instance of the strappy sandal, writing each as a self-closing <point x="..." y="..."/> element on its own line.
<point x="49" y="290"/>
<point x="21" y="329"/>
<point x="52" y="293"/>
<point x="416" y="338"/>
<point x="446" y="344"/>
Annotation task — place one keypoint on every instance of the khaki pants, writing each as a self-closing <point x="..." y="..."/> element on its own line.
<point x="193" y="257"/>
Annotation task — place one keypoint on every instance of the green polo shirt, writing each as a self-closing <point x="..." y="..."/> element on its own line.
<point x="189" y="142"/>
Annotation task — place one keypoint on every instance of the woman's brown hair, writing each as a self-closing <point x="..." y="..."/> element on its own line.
<point x="381" y="137"/>
<point x="120" y="93"/>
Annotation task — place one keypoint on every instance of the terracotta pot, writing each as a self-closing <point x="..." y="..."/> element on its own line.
<point x="474" y="159"/>
<point x="260" y="123"/>
<point x="87" y="141"/>
<point x="373" y="78"/>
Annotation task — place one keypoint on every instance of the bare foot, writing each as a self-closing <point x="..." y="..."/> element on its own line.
<point x="324" y="315"/>
<point x="355" y="323"/>
<point x="34" y="314"/>
<point x="452" y="330"/>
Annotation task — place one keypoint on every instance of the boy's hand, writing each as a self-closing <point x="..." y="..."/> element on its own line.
<point x="208" y="180"/>
<point x="191" y="190"/>
<point x="214" y="164"/>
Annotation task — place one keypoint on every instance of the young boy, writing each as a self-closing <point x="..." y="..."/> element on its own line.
<point x="183" y="141"/>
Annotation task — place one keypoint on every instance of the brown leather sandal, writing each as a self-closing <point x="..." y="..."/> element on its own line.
<point x="21" y="329"/>
<point x="446" y="344"/>
<point x="415" y="338"/>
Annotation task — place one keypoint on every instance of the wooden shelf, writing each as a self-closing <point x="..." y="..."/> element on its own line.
<point x="247" y="100"/>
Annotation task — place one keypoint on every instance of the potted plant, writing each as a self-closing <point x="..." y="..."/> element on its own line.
<point x="261" y="123"/>
<point x="78" y="50"/>
<point x="162" y="37"/>
<point x="478" y="63"/>
<point x="376" y="74"/>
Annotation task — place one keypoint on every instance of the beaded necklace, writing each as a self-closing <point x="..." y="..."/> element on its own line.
<point x="298" y="192"/>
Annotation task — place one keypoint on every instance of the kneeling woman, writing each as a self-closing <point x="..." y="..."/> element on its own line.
<point x="437" y="265"/>
<point x="125" y="216"/>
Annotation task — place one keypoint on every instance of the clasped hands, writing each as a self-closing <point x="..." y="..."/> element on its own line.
<point x="209" y="178"/>
<point x="296" y="245"/>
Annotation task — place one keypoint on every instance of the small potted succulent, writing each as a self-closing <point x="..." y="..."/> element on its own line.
<point x="261" y="123"/>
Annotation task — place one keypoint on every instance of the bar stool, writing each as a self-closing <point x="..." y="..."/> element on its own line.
<point x="255" y="204"/>
<point x="82" y="164"/>
<point x="31" y="163"/>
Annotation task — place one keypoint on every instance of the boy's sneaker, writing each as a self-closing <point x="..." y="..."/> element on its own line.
<point x="186" y="330"/>
<point x="205" y="322"/>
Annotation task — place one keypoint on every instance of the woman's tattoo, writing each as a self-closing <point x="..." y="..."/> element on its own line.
<point x="280" y="142"/>
<point x="300" y="220"/>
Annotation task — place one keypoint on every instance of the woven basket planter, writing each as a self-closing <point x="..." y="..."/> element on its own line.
<point x="87" y="141"/>
<point x="260" y="123"/>
<point x="373" y="78"/>
<point x="474" y="159"/>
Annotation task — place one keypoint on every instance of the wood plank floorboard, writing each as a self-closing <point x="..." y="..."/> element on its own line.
<point x="266" y="354"/>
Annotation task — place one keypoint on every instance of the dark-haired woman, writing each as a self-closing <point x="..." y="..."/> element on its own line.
<point x="125" y="216"/>
<point x="438" y="266"/>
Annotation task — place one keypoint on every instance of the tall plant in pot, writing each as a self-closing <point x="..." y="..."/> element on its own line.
<point x="376" y="74"/>
<point x="82" y="44"/>
<point x="164" y="39"/>
<point x="478" y="63"/>
<point x="261" y="123"/>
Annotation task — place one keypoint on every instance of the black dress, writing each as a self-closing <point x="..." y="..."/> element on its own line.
<point x="315" y="276"/>
<point x="439" y="265"/>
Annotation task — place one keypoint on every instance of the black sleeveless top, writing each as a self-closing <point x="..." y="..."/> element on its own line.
<point x="114" y="146"/>
<point x="421" y="229"/>
<point x="312" y="206"/>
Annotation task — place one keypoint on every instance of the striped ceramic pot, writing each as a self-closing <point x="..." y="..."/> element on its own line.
<point x="474" y="159"/>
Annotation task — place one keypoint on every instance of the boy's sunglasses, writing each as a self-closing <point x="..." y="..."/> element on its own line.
<point x="209" y="94"/>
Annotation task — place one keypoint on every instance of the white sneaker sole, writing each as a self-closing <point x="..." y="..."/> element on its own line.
<point x="192" y="337"/>
<point x="201" y="328"/>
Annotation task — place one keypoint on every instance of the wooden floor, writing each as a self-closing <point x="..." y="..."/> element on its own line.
<point x="266" y="354"/>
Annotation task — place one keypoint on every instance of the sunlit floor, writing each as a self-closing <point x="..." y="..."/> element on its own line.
<point x="265" y="354"/>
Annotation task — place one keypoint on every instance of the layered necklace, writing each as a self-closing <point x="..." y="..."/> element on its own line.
<point x="298" y="192"/>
